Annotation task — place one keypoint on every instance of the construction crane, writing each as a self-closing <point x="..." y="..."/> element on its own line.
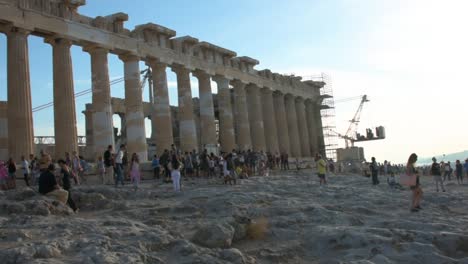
<point x="351" y="134"/>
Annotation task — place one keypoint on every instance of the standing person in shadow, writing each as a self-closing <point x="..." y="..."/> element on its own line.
<point x="416" y="189"/>
<point x="66" y="183"/>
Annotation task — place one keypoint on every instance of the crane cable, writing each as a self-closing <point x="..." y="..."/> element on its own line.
<point x="87" y="91"/>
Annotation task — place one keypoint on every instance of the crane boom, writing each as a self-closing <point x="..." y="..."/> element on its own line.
<point x="353" y="123"/>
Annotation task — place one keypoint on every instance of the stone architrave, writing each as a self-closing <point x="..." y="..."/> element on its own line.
<point x="134" y="117"/>
<point x="292" y="126"/>
<point x="242" y="117"/>
<point x="161" y="113"/>
<point x="66" y="139"/>
<point x="207" y="116"/>
<point x="269" y="121"/>
<point x="257" y="131"/>
<point x="20" y="121"/>
<point x="102" y="123"/>
<point x="226" y="122"/>
<point x="281" y="123"/>
<point x="187" y="128"/>
<point x="303" y="129"/>
<point x="312" y="126"/>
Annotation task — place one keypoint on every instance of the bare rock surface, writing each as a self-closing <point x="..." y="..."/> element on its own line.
<point x="283" y="218"/>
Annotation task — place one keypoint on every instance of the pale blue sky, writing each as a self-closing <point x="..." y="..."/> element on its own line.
<point x="409" y="57"/>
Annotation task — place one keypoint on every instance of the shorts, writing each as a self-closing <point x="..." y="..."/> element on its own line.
<point x="321" y="176"/>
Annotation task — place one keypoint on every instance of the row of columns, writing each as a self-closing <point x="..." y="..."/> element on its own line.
<point x="259" y="119"/>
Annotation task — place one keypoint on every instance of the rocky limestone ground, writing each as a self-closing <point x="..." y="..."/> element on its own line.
<point x="283" y="218"/>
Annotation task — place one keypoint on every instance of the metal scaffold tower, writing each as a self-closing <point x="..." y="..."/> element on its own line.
<point x="327" y="111"/>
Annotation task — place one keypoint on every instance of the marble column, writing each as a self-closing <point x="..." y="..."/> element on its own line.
<point x="281" y="123"/>
<point x="187" y="129"/>
<point x="123" y="129"/>
<point x="66" y="139"/>
<point x="102" y="123"/>
<point x="269" y="121"/>
<point x="303" y="129"/>
<point x="257" y="131"/>
<point x="242" y="116"/>
<point x="161" y="115"/>
<point x="226" y="122"/>
<point x="292" y="126"/>
<point x="89" y="126"/>
<point x="134" y="117"/>
<point x="4" y="130"/>
<point x="20" y="121"/>
<point x="312" y="126"/>
<point x="207" y="116"/>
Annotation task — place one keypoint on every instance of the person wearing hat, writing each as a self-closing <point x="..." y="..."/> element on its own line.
<point x="435" y="171"/>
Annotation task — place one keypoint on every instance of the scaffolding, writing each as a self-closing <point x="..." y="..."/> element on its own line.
<point x="327" y="112"/>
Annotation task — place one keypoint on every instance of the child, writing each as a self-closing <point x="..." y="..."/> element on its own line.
<point x="135" y="176"/>
<point x="101" y="169"/>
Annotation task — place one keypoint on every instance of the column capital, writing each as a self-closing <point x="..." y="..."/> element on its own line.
<point x="299" y="99"/>
<point x="92" y="48"/>
<point x="129" y="57"/>
<point x="58" y="41"/>
<point x="12" y="30"/>
<point x="180" y="69"/>
<point x="238" y="83"/>
<point x="201" y="74"/>
<point x="266" y="90"/>
<point x="156" y="64"/>
<point x="221" y="78"/>
<point x="252" y="87"/>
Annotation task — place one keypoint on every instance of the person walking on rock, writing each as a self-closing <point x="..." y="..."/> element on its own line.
<point x="156" y="167"/>
<point x="437" y="174"/>
<point x="321" y="169"/>
<point x="135" y="175"/>
<point x="416" y="189"/>
<point x="459" y="172"/>
<point x="66" y="183"/>
<point x="109" y="168"/>
<point x="374" y="168"/>
<point x="175" y="173"/>
<point x="119" y="170"/>
<point x="26" y="170"/>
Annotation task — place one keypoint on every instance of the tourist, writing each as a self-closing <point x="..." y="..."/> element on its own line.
<point x="34" y="169"/>
<point x="26" y="170"/>
<point x="385" y="168"/>
<point x="101" y="169"/>
<point x="204" y="163"/>
<point x="3" y="176"/>
<point x="164" y="161"/>
<point x="76" y="167"/>
<point x="156" y="167"/>
<point x="109" y="167"/>
<point x="229" y="173"/>
<point x="44" y="161"/>
<point x="416" y="189"/>
<point x="48" y="185"/>
<point x="66" y="183"/>
<point x="447" y="171"/>
<point x="459" y="172"/>
<point x="437" y="174"/>
<point x="68" y="159"/>
<point x="211" y="166"/>
<point x="175" y="172"/>
<point x="188" y="165"/>
<point x="196" y="163"/>
<point x="119" y="170"/>
<point x="466" y="168"/>
<point x="11" y="173"/>
<point x="374" y="168"/>
<point x="321" y="169"/>
<point x="84" y="168"/>
<point x="135" y="175"/>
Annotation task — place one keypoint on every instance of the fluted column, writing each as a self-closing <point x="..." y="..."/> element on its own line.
<point x="257" y="131"/>
<point x="242" y="116"/>
<point x="292" y="126"/>
<point x="269" y="122"/>
<point x="134" y="117"/>
<point x="312" y="126"/>
<point x="123" y="128"/>
<point x="226" y="122"/>
<point x="207" y="117"/>
<point x="187" y="129"/>
<point x="20" y="121"/>
<point x="89" y="126"/>
<point x="102" y="123"/>
<point x="303" y="130"/>
<point x="161" y="116"/>
<point x="281" y="123"/>
<point x="66" y="139"/>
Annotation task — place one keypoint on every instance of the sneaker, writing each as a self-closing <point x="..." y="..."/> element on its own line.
<point x="414" y="210"/>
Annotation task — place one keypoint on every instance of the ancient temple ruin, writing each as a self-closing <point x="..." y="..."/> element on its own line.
<point x="253" y="109"/>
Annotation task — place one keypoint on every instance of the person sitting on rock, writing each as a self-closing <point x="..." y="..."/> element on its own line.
<point x="48" y="185"/>
<point x="66" y="183"/>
